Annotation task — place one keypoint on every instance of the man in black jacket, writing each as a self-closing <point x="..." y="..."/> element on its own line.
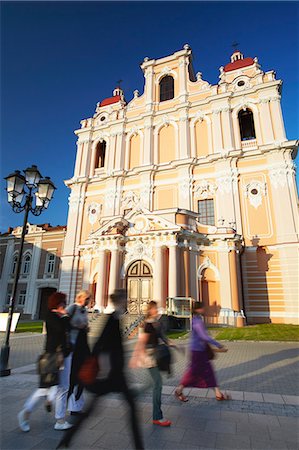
<point x="110" y="345"/>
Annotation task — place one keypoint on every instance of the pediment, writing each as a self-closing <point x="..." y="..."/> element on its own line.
<point x="135" y="222"/>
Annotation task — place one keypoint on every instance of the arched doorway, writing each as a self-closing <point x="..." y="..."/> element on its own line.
<point x="139" y="285"/>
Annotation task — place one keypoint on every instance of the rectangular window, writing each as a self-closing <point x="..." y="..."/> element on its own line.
<point x="206" y="211"/>
<point x="50" y="265"/>
<point x="22" y="298"/>
<point x="8" y="297"/>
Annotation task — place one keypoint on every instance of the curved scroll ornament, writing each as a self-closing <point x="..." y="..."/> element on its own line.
<point x="255" y="191"/>
<point x="205" y="189"/>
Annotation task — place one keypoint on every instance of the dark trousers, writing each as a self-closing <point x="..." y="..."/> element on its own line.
<point x="118" y="383"/>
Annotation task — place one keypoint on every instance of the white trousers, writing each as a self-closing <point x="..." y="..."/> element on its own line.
<point x="33" y="400"/>
<point x="62" y="390"/>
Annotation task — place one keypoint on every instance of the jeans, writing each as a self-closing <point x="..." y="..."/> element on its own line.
<point x="157" y="392"/>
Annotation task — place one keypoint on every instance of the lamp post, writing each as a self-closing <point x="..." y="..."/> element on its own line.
<point x="30" y="193"/>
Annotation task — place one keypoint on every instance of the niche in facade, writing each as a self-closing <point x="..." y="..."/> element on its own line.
<point x="246" y="124"/>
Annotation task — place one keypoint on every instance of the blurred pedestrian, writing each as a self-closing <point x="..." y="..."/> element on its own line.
<point x="200" y="373"/>
<point x="109" y="348"/>
<point x="56" y="351"/>
<point x="70" y="392"/>
<point x="145" y="356"/>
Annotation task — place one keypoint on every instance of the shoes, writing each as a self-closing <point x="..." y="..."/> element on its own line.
<point x="223" y="397"/>
<point x="62" y="426"/>
<point x="76" y="413"/>
<point x="23" y="423"/>
<point x="180" y="396"/>
<point x="48" y="406"/>
<point x="162" y="422"/>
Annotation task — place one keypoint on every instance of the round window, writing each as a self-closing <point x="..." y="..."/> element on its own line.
<point x="241" y="83"/>
<point x="103" y="118"/>
<point x="254" y="191"/>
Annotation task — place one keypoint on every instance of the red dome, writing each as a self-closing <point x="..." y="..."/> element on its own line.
<point x="238" y="64"/>
<point x="110" y="100"/>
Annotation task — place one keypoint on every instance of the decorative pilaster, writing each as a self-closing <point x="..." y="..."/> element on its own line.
<point x="173" y="268"/>
<point x="101" y="280"/>
<point x="235" y="301"/>
<point x="159" y="276"/>
<point x="217" y="132"/>
<point x="266" y="123"/>
<point x="113" y="277"/>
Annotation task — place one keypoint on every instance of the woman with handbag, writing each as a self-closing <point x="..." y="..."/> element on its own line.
<point x="145" y="356"/>
<point x="51" y="361"/>
<point x="200" y="373"/>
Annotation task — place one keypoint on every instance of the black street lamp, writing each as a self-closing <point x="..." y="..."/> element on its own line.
<point x="41" y="190"/>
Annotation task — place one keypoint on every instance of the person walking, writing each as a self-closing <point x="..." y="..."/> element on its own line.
<point x="109" y="350"/>
<point x="145" y="356"/>
<point x="57" y="348"/>
<point x="200" y="373"/>
<point x="69" y="392"/>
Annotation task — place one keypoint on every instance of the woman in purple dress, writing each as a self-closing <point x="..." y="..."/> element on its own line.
<point x="200" y="373"/>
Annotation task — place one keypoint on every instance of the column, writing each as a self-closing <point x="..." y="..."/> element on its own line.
<point x="234" y="281"/>
<point x="101" y="281"/>
<point x="80" y="147"/>
<point x="149" y="84"/>
<point x="277" y="119"/>
<point x="158" y="276"/>
<point x="148" y="145"/>
<point x="173" y="287"/>
<point x="267" y="130"/>
<point x="184" y="147"/>
<point x="92" y="161"/>
<point x="227" y="129"/>
<point x="217" y="132"/>
<point x="113" y="277"/>
<point x="236" y="129"/>
<point x="186" y="259"/>
<point x="182" y="80"/>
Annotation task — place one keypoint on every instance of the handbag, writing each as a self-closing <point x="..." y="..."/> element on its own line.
<point x="88" y="372"/>
<point x="210" y="352"/>
<point x="48" y="366"/>
<point x="163" y="357"/>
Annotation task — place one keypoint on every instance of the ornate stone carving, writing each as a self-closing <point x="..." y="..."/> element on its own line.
<point x="205" y="189"/>
<point x="279" y="174"/>
<point x="130" y="200"/>
<point x="110" y="197"/>
<point x="138" y="250"/>
<point x="255" y="191"/>
<point x="75" y="200"/>
<point x="185" y="187"/>
<point x="227" y="181"/>
<point x="93" y="212"/>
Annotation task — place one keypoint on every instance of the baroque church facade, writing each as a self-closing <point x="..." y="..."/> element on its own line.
<point x="187" y="190"/>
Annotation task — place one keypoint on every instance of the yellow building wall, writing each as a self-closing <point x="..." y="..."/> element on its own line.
<point x="135" y="152"/>
<point x="201" y="138"/>
<point x="166" y="144"/>
<point x="263" y="285"/>
<point x="165" y="197"/>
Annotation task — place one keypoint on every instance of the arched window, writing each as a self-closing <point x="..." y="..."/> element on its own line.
<point x="26" y="264"/>
<point x="14" y="264"/>
<point x="166" y="88"/>
<point x="246" y="124"/>
<point x="100" y="155"/>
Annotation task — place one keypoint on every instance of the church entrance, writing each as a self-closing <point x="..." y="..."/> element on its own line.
<point x="139" y="283"/>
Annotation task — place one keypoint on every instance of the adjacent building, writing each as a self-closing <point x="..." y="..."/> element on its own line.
<point x="187" y="190"/>
<point x="40" y="267"/>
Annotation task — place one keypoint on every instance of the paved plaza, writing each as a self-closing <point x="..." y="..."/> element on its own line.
<point x="263" y="412"/>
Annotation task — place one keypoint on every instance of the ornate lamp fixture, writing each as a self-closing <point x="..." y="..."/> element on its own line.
<point x="30" y="193"/>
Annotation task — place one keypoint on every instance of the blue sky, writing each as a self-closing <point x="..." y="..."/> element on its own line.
<point x="59" y="59"/>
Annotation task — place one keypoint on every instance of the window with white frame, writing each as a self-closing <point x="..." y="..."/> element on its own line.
<point x="50" y="264"/>
<point x="22" y="297"/>
<point x="14" y="264"/>
<point x="206" y="211"/>
<point x="26" y="264"/>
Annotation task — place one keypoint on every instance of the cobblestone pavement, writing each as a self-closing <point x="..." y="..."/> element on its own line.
<point x="265" y="416"/>
<point x="202" y="423"/>
<point x="265" y="367"/>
